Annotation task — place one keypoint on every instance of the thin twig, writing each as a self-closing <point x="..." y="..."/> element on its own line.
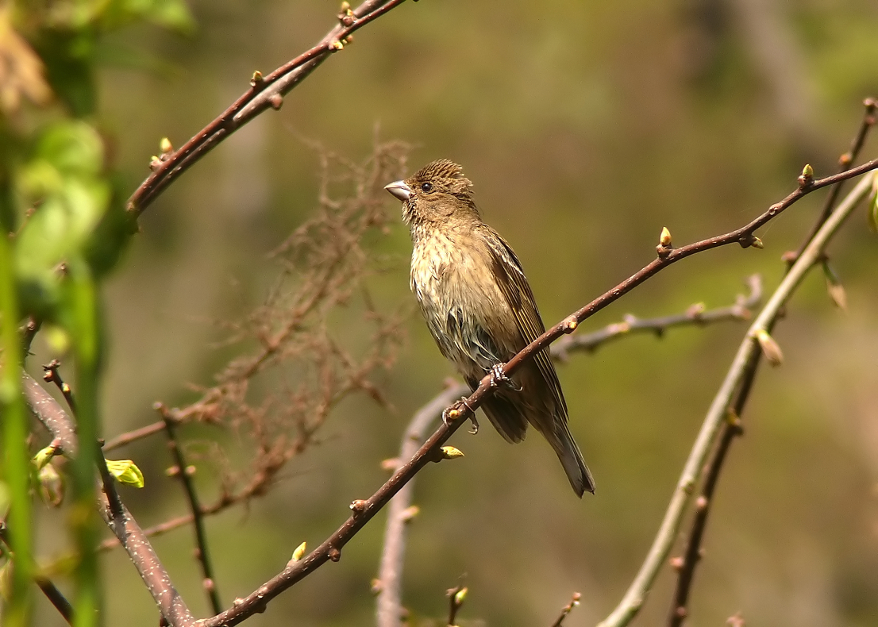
<point x="456" y="597"/>
<point x="567" y="609"/>
<point x="718" y="413"/>
<point x="694" y="315"/>
<point x="687" y="564"/>
<point x="132" y="436"/>
<point x="389" y="581"/>
<point x="52" y="374"/>
<point x="56" y="598"/>
<point x="844" y="164"/>
<point x="116" y="515"/>
<point x="201" y="551"/>
<point x="265" y="92"/>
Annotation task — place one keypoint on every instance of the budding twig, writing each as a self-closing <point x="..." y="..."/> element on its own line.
<point x="631" y="603"/>
<point x="732" y="428"/>
<point x="264" y="92"/>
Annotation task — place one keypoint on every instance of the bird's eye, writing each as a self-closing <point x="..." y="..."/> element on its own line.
<point x="427" y="187"/>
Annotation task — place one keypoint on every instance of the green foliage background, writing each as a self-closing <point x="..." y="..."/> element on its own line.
<point x="586" y="128"/>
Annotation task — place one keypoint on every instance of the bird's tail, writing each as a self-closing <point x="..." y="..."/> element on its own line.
<point x="571" y="459"/>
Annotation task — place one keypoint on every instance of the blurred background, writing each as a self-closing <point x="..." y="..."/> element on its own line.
<point x="586" y="128"/>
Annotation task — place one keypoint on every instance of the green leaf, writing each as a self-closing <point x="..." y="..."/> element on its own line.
<point x="62" y="181"/>
<point x="170" y="14"/>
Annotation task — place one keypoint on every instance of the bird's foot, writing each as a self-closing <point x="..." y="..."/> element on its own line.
<point x="498" y="378"/>
<point x="450" y="414"/>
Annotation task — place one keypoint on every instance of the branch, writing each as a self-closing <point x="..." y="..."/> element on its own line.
<point x="265" y="92"/>
<point x="687" y="564"/>
<point x="389" y="582"/>
<point x="718" y="414"/>
<point x="182" y="471"/>
<point x="694" y="315"/>
<point x="456" y="597"/>
<point x="56" y="598"/>
<point x="114" y="512"/>
<point x="666" y="256"/>
<point x="844" y="164"/>
<point x="137" y="434"/>
<point x="330" y="549"/>
<point x="53" y="594"/>
<point x="567" y="609"/>
<point x="50" y="414"/>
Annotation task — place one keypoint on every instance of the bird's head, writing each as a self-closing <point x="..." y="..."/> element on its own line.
<point x="435" y="193"/>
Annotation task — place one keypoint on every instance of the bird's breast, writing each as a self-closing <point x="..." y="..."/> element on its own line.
<point x="453" y="281"/>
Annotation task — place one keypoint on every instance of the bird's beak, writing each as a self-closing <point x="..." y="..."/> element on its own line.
<point x="400" y="190"/>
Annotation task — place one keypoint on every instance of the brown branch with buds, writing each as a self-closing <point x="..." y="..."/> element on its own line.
<point x="113" y="511"/>
<point x="720" y="413"/>
<point x="694" y="315"/>
<point x="574" y="601"/>
<point x="265" y="92"/>
<point x="456" y="597"/>
<point x="687" y="564"/>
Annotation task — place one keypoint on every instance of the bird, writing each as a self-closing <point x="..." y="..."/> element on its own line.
<point x="480" y="309"/>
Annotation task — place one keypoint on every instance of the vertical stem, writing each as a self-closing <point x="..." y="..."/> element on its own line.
<point x="83" y="328"/>
<point x="16" y="459"/>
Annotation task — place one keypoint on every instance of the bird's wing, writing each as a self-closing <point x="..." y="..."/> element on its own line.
<point x="513" y="283"/>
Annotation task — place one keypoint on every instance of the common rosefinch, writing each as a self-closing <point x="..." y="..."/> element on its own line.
<point x="480" y="309"/>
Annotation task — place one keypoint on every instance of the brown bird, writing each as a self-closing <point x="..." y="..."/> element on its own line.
<point x="481" y="311"/>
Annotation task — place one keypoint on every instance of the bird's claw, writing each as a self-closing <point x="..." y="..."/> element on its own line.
<point x="498" y="378"/>
<point x="458" y="407"/>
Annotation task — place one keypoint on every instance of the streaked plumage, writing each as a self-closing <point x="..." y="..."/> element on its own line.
<point x="480" y="309"/>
